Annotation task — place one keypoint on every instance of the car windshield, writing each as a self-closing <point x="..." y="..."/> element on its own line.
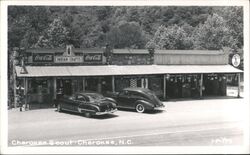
<point x="94" y="96"/>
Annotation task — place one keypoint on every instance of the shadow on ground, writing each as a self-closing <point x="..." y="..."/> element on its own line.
<point x="100" y="117"/>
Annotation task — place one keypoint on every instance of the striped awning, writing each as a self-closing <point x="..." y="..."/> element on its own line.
<point x="105" y="70"/>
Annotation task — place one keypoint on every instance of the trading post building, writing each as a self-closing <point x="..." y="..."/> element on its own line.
<point x="47" y="74"/>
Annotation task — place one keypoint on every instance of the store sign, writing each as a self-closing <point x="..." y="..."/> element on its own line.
<point x="93" y="57"/>
<point x="43" y="57"/>
<point x="68" y="59"/>
<point x="236" y="60"/>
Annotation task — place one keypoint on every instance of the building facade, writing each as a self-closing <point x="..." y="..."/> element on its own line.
<point x="47" y="74"/>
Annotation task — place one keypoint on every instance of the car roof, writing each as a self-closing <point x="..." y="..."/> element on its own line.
<point x="88" y="92"/>
<point x="138" y="89"/>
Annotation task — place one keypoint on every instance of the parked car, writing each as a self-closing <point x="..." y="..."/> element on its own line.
<point x="87" y="103"/>
<point x="140" y="99"/>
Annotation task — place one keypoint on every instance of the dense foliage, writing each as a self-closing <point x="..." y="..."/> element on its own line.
<point x="167" y="27"/>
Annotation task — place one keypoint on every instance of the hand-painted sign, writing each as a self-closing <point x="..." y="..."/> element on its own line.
<point x="93" y="57"/>
<point x="43" y="57"/>
<point x="236" y="60"/>
<point x="68" y="59"/>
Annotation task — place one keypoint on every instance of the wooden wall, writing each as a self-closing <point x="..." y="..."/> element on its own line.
<point x="191" y="58"/>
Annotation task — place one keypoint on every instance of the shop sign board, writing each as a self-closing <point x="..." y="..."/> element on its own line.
<point x="93" y="57"/>
<point x="43" y="57"/>
<point x="236" y="60"/>
<point x="68" y="59"/>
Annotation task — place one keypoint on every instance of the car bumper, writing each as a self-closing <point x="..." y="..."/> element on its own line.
<point x="106" y="112"/>
<point x="159" y="107"/>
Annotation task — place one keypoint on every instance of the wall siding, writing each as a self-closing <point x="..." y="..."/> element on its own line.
<point x="190" y="59"/>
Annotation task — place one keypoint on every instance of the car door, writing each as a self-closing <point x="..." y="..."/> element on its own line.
<point x="133" y="97"/>
<point x="80" y="99"/>
<point x="124" y="99"/>
<point x="67" y="102"/>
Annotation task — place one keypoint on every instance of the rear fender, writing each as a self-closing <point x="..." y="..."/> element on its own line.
<point x="111" y="100"/>
<point x="145" y="103"/>
<point x="93" y="108"/>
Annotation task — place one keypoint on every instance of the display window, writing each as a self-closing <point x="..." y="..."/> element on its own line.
<point x="38" y="86"/>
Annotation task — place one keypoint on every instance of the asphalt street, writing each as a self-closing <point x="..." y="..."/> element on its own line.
<point x="213" y="122"/>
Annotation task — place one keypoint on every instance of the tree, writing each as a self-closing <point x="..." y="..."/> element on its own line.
<point x="126" y="34"/>
<point x="213" y="34"/>
<point x="172" y="37"/>
<point x="233" y="17"/>
<point x="55" y="36"/>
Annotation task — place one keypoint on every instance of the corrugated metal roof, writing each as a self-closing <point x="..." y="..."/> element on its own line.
<point x="125" y="51"/>
<point x="47" y="71"/>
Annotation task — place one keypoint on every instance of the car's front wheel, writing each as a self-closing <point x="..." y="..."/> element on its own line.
<point x="140" y="108"/>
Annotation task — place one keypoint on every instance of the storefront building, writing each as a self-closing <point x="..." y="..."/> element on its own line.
<point x="47" y="74"/>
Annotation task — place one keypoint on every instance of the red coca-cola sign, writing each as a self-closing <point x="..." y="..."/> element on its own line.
<point x="93" y="57"/>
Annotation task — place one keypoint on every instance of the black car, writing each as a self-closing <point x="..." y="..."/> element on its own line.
<point x="140" y="99"/>
<point x="87" y="103"/>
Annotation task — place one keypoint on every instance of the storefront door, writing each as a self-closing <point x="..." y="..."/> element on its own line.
<point x="67" y="87"/>
<point x="64" y="87"/>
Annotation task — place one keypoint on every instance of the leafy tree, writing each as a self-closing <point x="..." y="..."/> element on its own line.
<point x="93" y="26"/>
<point x="55" y="36"/>
<point x="126" y="34"/>
<point x="172" y="37"/>
<point x="233" y="17"/>
<point x="212" y="35"/>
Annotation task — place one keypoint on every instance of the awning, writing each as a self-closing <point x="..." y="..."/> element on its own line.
<point x="105" y="70"/>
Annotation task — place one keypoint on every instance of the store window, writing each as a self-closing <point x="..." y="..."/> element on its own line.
<point x="38" y="86"/>
<point x="156" y="85"/>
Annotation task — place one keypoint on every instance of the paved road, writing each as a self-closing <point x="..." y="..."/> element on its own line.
<point x="192" y="123"/>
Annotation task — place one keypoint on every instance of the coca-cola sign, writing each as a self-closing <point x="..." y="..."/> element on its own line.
<point x="93" y="57"/>
<point x="43" y="57"/>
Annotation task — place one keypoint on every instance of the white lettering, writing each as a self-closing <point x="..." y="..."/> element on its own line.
<point x="97" y="57"/>
<point x="63" y="59"/>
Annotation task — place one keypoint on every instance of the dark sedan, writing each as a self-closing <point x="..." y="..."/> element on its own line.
<point x="140" y="99"/>
<point x="87" y="103"/>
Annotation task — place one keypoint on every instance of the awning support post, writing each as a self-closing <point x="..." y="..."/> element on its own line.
<point x="201" y="85"/>
<point x="25" y="92"/>
<point x="54" y="87"/>
<point x="14" y="84"/>
<point x="99" y="85"/>
<point x="83" y="83"/>
<point x="164" y="87"/>
<point x="238" y="85"/>
<point x="113" y="83"/>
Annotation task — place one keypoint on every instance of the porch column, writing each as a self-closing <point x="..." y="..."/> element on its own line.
<point x="25" y="91"/>
<point x="83" y="84"/>
<point x="14" y="83"/>
<point x="54" y="87"/>
<point x="99" y="85"/>
<point x="201" y="85"/>
<point x="113" y="83"/>
<point x="238" y="85"/>
<point x="164" y="86"/>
